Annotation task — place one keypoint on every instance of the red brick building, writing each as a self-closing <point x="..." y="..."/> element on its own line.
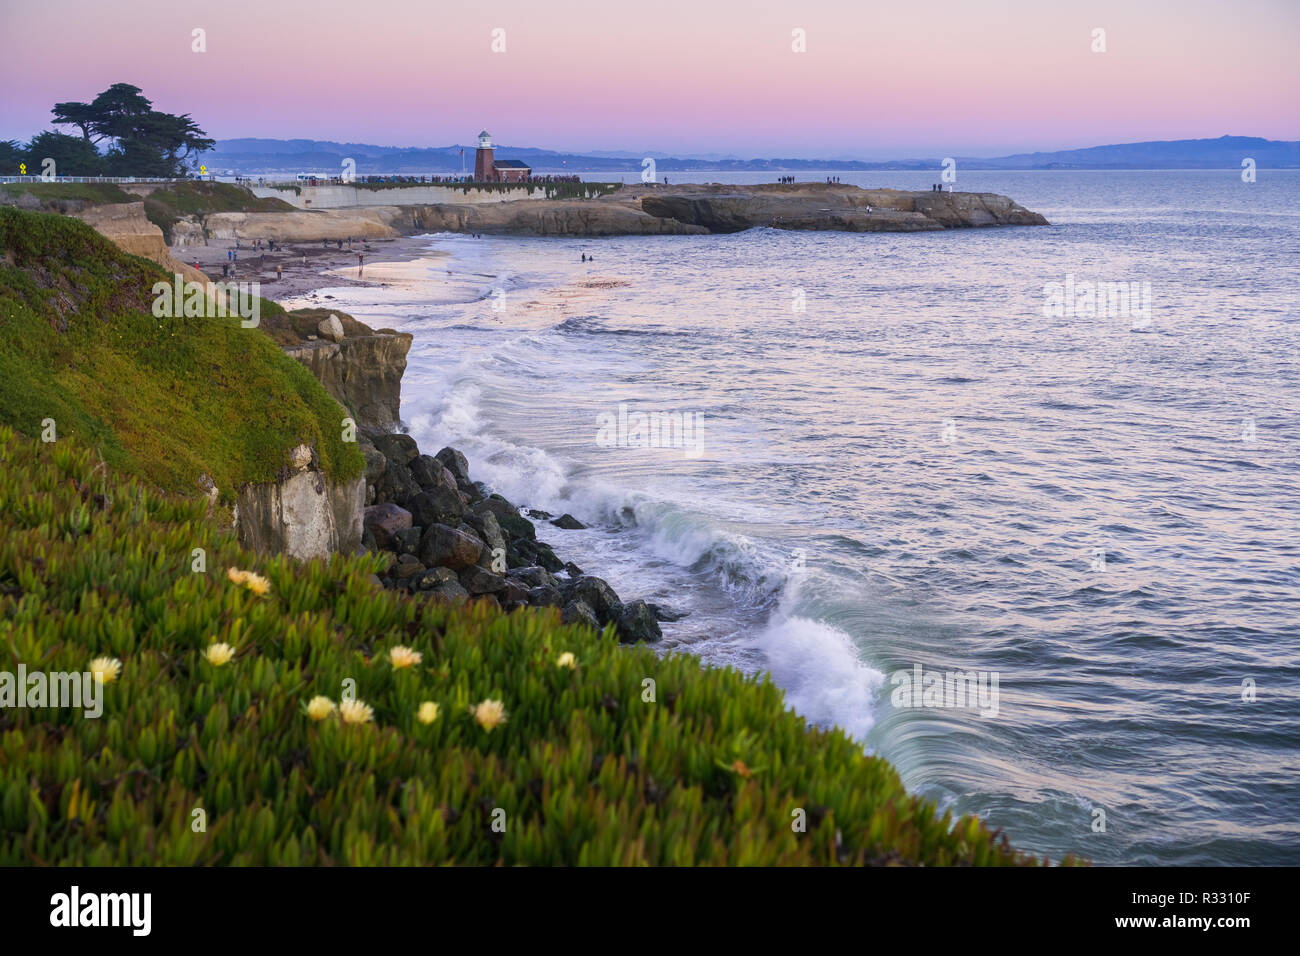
<point x="488" y="169"/>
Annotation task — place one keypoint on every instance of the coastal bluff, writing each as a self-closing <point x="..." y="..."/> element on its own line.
<point x="631" y="210"/>
<point x="655" y="209"/>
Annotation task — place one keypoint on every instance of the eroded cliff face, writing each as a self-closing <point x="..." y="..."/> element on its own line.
<point x="362" y="372"/>
<point x="552" y="217"/>
<point x="805" y="206"/>
<point x="371" y="222"/>
<point x="304" y="514"/>
<point x="126" y="225"/>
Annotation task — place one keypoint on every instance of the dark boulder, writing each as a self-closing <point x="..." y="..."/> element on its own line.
<point x="478" y="580"/>
<point x="568" y="522"/>
<point x="665" y="613"/>
<point x="440" y="505"/>
<point x="545" y="596"/>
<point x="445" y="547"/>
<point x="376" y="462"/>
<point x="532" y="576"/>
<point x="407" y="541"/>
<point x="636" y="622"/>
<point x="430" y="473"/>
<point x="515" y="525"/>
<point x="599" y="596"/>
<point x="396" y="484"/>
<point x="449" y="591"/>
<point x="398" y="448"/>
<point x="456" y="463"/>
<point x="485" y="523"/>
<point x="434" y="578"/>
<point x="575" y="612"/>
<point x="512" y="595"/>
<point x="384" y="521"/>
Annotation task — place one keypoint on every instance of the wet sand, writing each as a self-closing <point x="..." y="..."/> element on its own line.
<point x="324" y="267"/>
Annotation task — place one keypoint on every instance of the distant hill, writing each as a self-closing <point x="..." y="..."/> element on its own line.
<point x="260" y="156"/>
<point x="1226" y="152"/>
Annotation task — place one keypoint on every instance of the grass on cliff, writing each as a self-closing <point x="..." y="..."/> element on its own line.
<point x="588" y="767"/>
<point x="292" y="328"/>
<point x="51" y="194"/>
<point x="169" y="399"/>
<point x="164" y="207"/>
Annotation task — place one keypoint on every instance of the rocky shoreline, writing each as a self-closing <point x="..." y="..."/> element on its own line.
<point x="450" y="538"/>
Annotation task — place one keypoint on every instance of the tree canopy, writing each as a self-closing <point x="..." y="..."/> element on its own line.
<point x="121" y="134"/>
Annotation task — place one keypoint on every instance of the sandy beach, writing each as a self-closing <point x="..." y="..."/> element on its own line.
<point x="307" y="266"/>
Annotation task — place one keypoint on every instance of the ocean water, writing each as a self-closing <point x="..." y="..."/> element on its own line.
<point x="903" y="461"/>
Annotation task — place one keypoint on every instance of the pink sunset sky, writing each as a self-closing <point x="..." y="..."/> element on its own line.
<point x="969" y="77"/>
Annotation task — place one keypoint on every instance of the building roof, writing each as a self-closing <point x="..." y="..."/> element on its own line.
<point x="510" y="164"/>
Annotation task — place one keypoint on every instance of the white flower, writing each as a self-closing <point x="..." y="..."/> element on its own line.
<point x="319" y="708"/>
<point x="490" y="714"/>
<point x="356" y="712"/>
<point x="401" y="657"/>
<point x="218" y="654"/>
<point x="106" y="669"/>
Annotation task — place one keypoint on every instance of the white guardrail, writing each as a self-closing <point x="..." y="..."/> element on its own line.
<point x="90" y="179"/>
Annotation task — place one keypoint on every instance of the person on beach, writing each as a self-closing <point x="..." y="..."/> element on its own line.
<point x="279" y="272"/>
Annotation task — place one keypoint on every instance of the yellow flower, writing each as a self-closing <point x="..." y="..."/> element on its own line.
<point x="427" y="713"/>
<point x="106" y="669"/>
<point x="218" y="654"/>
<point x="567" y="660"/>
<point x="401" y="657"/>
<point x="254" y="582"/>
<point x="356" y="712"/>
<point x="319" y="708"/>
<point x="490" y="714"/>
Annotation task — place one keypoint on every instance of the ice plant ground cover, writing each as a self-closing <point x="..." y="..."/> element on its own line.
<point x="584" y="768"/>
<point x="167" y="399"/>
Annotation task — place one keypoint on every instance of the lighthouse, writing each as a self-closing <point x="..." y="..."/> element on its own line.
<point x="483" y="166"/>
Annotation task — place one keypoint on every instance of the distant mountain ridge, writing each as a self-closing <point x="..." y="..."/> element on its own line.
<point x="253" y="156"/>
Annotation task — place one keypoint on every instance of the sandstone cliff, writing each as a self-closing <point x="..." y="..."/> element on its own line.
<point x="634" y="210"/>
<point x="128" y="228"/>
<point x="831" y="207"/>
<point x="363" y="372"/>
<point x="304" y="514"/>
<point x="559" y="217"/>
